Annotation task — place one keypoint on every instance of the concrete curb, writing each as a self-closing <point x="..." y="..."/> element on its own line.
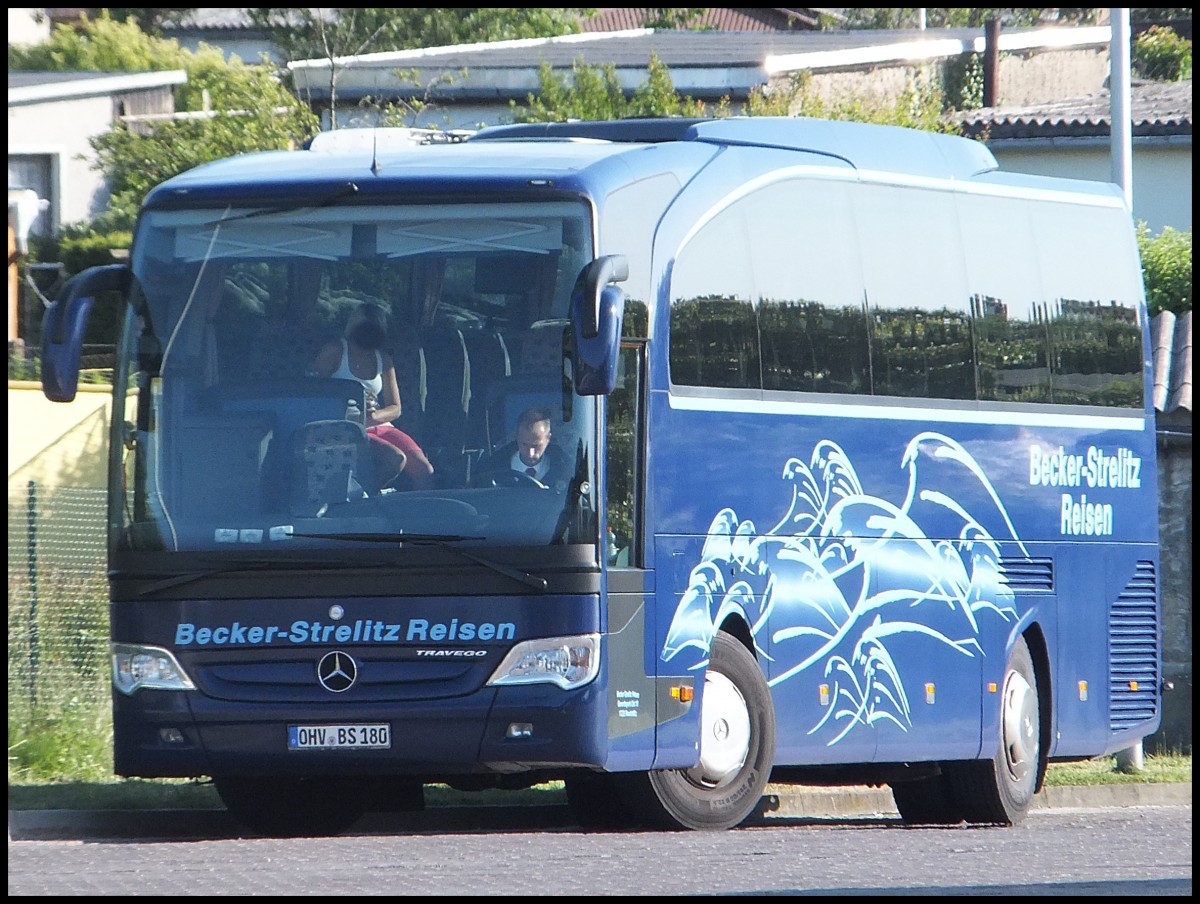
<point x="775" y="809"/>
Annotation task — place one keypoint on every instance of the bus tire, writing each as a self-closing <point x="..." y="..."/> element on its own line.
<point x="737" y="750"/>
<point x="292" y="807"/>
<point x="927" y="801"/>
<point x="1000" y="790"/>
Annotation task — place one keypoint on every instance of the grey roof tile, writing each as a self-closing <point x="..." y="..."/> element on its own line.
<point x="1157" y="108"/>
<point x="1171" y="338"/>
<point x="618" y="18"/>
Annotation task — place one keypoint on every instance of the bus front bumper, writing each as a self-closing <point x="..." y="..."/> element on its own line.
<point x="495" y="730"/>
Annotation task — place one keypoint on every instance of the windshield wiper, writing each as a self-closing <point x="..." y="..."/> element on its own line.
<point x="442" y="541"/>
<point x="345" y="191"/>
<point x="178" y="580"/>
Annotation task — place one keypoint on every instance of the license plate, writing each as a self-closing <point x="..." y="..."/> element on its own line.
<point x="340" y="737"/>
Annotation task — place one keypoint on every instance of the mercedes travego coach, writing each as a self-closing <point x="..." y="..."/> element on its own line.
<point x="853" y="472"/>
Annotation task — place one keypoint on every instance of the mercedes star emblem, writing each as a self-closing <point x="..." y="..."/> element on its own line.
<point x="337" y="671"/>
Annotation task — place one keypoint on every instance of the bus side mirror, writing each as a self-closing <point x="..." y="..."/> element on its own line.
<point x="597" y="309"/>
<point x="65" y="323"/>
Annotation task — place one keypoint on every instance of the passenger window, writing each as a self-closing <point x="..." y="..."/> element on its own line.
<point x="714" y="326"/>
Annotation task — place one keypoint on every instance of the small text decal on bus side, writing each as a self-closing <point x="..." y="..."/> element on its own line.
<point x="1095" y="469"/>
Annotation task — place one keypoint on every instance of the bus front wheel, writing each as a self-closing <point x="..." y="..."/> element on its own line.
<point x="737" y="748"/>
<point x="1000" y="790"/>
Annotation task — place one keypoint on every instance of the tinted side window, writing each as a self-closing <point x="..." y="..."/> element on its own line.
<point x="956" y="297"/>
<point x="1091" y="296"/>
<point x="808" y="289"/>
<point x="627" y="226"/>
<point x="769" y="295"/>
<point x="1011" y="332"/>
<point x="916" y="293"/>
<point x="714" y="328"/>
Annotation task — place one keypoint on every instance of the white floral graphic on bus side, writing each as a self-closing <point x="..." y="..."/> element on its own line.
<point x="844" y="574"/>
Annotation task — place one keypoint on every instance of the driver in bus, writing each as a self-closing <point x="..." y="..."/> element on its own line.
<point x="531" y="456"/>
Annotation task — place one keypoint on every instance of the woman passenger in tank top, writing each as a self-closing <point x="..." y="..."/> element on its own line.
<point x="359" y="355"/>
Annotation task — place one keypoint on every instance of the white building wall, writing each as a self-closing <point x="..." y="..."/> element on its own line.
<point x="1162" y="173"/>
<point x="62" y="129"/>
<point x="23" y="27"/>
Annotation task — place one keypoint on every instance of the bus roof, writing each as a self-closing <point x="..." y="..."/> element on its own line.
<point x="272" y="173"/>
<point x="865" y="146"/>
<point x="588" y="157"/>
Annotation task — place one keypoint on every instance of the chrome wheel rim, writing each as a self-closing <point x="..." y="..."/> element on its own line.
<point x="724" y="735"/>
<point x="1019" y="727"/>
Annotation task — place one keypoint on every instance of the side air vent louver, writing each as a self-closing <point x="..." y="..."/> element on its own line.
<point x="1027" y="574"/>
<point x="1133" y="647"/>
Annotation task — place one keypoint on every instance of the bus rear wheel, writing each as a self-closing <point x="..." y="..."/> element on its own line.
<point x="737" y="749"/>
<point x="1000" y="790"/>
<point x="292" y="807"/>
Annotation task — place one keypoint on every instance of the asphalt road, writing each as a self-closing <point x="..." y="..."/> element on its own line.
<point x="790" y="804"/>
<point x="1137" y="849"/>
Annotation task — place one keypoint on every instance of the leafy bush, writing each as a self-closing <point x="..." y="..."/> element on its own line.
<point x="1160" y="54"/>
<point x="80" y="248"/>
<point x="1166" y="269"/>
<point x="77" y="248"/>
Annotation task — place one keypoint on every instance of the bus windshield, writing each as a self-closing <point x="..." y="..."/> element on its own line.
<point x="261" y="411"/>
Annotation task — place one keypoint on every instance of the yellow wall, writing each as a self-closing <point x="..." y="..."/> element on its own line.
<point x="57" y="444"/>
<point x="61" y="448"/>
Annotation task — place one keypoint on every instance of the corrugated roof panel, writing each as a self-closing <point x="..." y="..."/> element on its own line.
<point x="617" y="18"/>
<point x="1181" y="366"/>
<point x="1156" y="108"/>
<point x="1171" y="338"/>
<point x="1162" y="338"/>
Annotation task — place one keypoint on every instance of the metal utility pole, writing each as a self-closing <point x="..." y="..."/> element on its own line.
<point x="991" y="62"/>
<point x="1120" y="100"/>
<point x="1120" y="119"/>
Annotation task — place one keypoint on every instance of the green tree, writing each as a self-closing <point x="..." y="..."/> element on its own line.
<point x="962" y="17"/>
<point x="1166" y="269"/>
<point x="676" y="17"/>
<point x="1159" y="14"/>
<point x="308" y="33"/>
<point x="238" y="107"/>
<point x="97" y="45"/>
<point x="595" y="93"/>
<point x="918" y="106"/>
<point x="333" y="33"/>
<point x="1159" y="53"/>
<point x="150" y="21"/>
<point x="250" y="111"/>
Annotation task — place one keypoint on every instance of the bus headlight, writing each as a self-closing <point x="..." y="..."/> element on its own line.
<point x="569" y="662"/>
<point x="136" y="666"/>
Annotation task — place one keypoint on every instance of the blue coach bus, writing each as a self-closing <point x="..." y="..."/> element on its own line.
<point x="859" y="473"/>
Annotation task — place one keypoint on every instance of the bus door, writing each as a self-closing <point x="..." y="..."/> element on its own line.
<point x="637" y="706"/>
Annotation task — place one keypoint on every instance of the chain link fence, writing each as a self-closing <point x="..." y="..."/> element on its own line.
<point x="58" y="663"/>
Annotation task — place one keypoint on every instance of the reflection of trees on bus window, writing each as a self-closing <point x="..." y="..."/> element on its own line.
<point x="625" y="226"/>
<point x="636" y="322"/>
<point x="762" y="299"/>
<point x="808" y="346"/>
<point x="715" y="343"/>
<point x="622" y="446"/>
